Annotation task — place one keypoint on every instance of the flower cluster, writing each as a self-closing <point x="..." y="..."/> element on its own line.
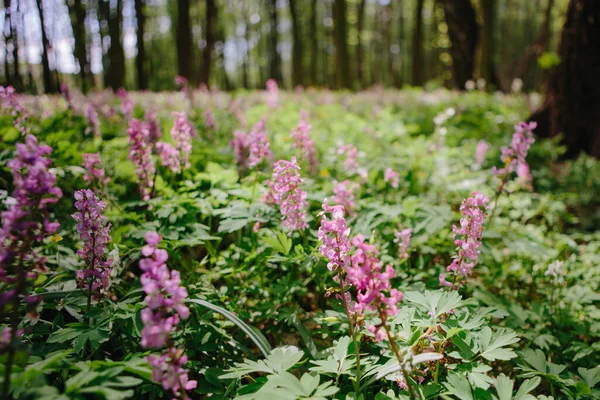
<point x="140" y="153"/>
<point x="482" y="148"/>
<point x="11" y="103"/>
<point x="302" y="140"/>
<point x="182" y="133"/>
<point x="474" y="211"/>
<point x="169" y="156"/>
<point x="373" y="289"/>
<point x="402" y="237"/>
<point x="209" y="120"/>
<point x="284" y="190"/>
<point x="241" y="149"/>
<point x="514" y="156"/>
<point x="92" y="119"/>
<point x="333" y="234"/>
<point x="94" y="232"/>
<point x="556" y="272"/>
<point x="182" y="83"/>
<point x="126" y="103"/>
<point x="272" y="93"/>
<point x="259" y="145"/>
<point x="94" y="172"/>
<point x="165" y="300"/>
<point x="25" y="222"/>
<point x="389" y="175"/>
<point x="344" y="194"/>
<point x="350" y="163"/>
<point x="154" y="130"/>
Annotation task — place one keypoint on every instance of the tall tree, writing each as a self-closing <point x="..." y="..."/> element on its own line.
<point x="184" y="39"/>
<point x="114" y="59"/>
<point x="463" y="31"/>
<point x="274" y="59"/>
<point x="49" y="84"/>
<point x="77" y="13"/>
<point x="417" y="46"/>
<point x="7" y="41"/>
<point x="360" y="24"/>
<point x="297" y="53"/>
<point x="207" y="54"/>
<point x="140" y="58"/>
<point x="572" y="105"/>
<point x="340" y="32"/>
<point x="487" y="70"/>
<point x="314" y="44"/>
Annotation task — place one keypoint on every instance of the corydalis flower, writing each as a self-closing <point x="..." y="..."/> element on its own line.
<point x="402" y="237"/>
<point x="209" y="120"/>
<point x="350" y="163"/>
<point x="165" y="300"/>
<point x="333" y="234"/>
<point x="284" y="190"/>
<point x="154" y="130"/>
<point x="94" y="172"/>
<point x="169" y="156"/>
<point x="392" y="177"/>
<point x="140" y="153"/>
<point x="272" y="93"/>
<point x="516" y="154"/>
<point x="11" y="104"/>
<point x="92" y="119"/>
<point x="480" y="152"/>
<point x="94" y="232"/>
<point x="126" y="103"/>
<point x="302" y="140"/>
<point x="344" y="194"/>
<point x="474" y="211"/>
<point x="259" y="145"/>
<point x="182" y="133"/>
<point x="241" y="149"/>
<point x="373" y="289"/>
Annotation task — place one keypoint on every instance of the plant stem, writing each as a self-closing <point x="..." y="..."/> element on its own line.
<point x="14" y="324"/>
<point x="498" y="193"/>
<point x="352" y="332"/>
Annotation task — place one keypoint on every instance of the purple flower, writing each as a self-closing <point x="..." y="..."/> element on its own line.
<point x="165" y="300"/>
<point x="402" y="237"/>
<point x="333" y="235"/>
<point x="272" y="93"/>
<point x="209" y="120"/>
<point x="391" y="176"/>
<point x="94" y="172"/>
<point x="92" y="119"/>
<point x="302" y="140"/>
<point x="241" y="149"/>
<point x="94" y="232"/>
<point x="482" y="148"/>
<point x="126" y="103"/>
<point x="350" y="163"/>
<point x="154" y="130"/>
<point x="169" y="156"/>
<point x="516" y="154"/>
<point x="12" y="105"/>
<point x="259" y="145"/>
<point x="285" y="191"/>
<point x="344" y="194"/>
<point x="474" y="211"/>
<point x="140" y="153"/>
<point x="182" y="133"/>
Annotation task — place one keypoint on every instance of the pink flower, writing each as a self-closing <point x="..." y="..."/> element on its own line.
<point x="284" y="190"/>
<point x="259" y="145"/>
<point x="333" y="235"/>
<point x="140" y="153"/>
<point x="402" y="237"/>
<point x="126" y="103"/>
<point x="94" y="172"/>
<point x="517" y="152"/>
<point x="92" y="118"/>
<point x="241" y="148"/>
<point x="154" y="129"/>
<point x="272" y="93"/>
<point x="11" y="104"/>
<point x="182" y="133"/>
<point x="482" y="148"/>
<point x="302" y="140"/>
<point x="209" y="120"/>
<point x="344" y="194"/>
<point x="350" y="164"/>
<point x="391" y="176"/>
<point x="169" y="156"/>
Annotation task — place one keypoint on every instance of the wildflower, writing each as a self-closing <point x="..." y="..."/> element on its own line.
<point x="165" y="300"/>
<point x="11" y="103"/>
<point x="94" y="232"/>
<point x="391" y="176"/>
<point x="285" y="191"/>
<point x="333" y="235"/>
<point x="373" y="289"/>
<point x="241" y="148"/>
<point x="209" y="120"/>
<point x="402" y="237"/>
<point x="272" y="93"/>
<point x="515" y="155"/>
<point x="140" y="154"/>
<point x="154" y="130"/>
<point x="556" y="272"/>
<point x="126" y="103"/>
<point x="259" y="145"/>
<point x="182" y="132"/>
<point x="94" y="172"/>
<point x="169" y="156"/>
<point x="470" y="231"/>
<point x="302" y="140"/>
<point x="482" y="148"/>
<point x="524" y="175"/>
<point x="182" y="83"/>
<point x="344" y="194"/>
<point x="351" y="152"/>
<point x="92" y="118"/>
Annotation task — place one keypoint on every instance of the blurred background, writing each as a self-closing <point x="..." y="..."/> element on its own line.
<point x="231" y="44"/>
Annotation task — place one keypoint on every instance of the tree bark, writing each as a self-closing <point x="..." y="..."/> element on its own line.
<point x="572" y="105"/>
<point x="7" y="40"/>
<point x="274" y="59"/>
<point x="184" y="39"/>
<point x="487" y="70"/>
<point x="342" y="59"/>
<point x="77" y="13"/>
<point x="140" y="58"/>
<point x="417" y="46"/>
<point x="359" y="50"/>
<point x="297" y="59"/>
<point x="116" y="54"/>
<point x="314" y="44"/>
<point x="49" y="86"/>
<point x="463" y="31"/>
<point x="207" y="54"/>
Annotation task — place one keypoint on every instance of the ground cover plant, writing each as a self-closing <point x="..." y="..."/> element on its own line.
<point x="294" y="245"/>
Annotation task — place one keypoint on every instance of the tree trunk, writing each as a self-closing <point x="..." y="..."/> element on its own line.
<point x="297" y="59"/>
<point x="12" y="21"/>
<point x="342" y="59"/>
<point x="77" y="14"/>
<point x="7" y="41"/>
<point x="417" y="46"/>
<point x="463" y="32"/>
<point x="487" y="70"/>
<point x="116" y="54"/>
<point x="314" y="44"/>
<point x="184" y="39"/>
<point x="359" y="50"/>
<point x="140" y="58"/>
<point x="207" y="54"/>
<point x="572" y="105"/>
<point x="49" y="86"/>
<point x="274" y="59"/>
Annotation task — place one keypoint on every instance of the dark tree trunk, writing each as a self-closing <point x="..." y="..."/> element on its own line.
<point x="13" y="23"/>
<point x="359" y="50"/>
<point x="463" y="32"/>
<point x="314" y="44"/>
<point x="487" y="70"/>
<point x="184" y="39"/>
<point x="572" y="105"/>
<point x="140" y="58"/>
<point x="297" y="59"/>
<point x="49" y="85"/>
<point x="7" y="40"/>
<point x="417" y="46"/>
<point x="342" y="59"/>
<point x="274" y="59"/>
<point x="116" y="54"/>
<point x="77" y="13"/>
<point x="207" y="54"/>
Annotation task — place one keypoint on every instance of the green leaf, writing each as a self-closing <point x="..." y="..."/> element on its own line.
<point x="504" y="387"/>
<point x="492" y="344"/>
<point x="459" y="386"/>
<point x="526" y="387"/>
<point x="279" y="360"/>
<point x="591" y="376"/>
<point x="434" y="303"/>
